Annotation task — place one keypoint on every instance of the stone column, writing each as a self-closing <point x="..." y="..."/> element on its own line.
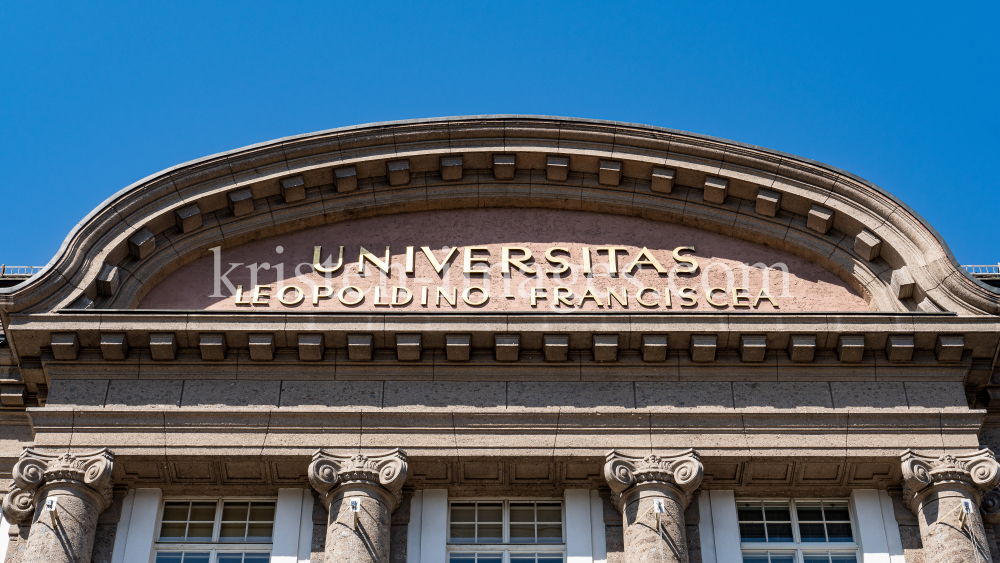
<point x="79" y="484"/>
<point x="637" y="484"/>
<point x="375" y="482"/>
<point x="934" y="488"/>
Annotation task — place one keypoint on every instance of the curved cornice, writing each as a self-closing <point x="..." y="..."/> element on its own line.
<point x="101" y="240"/>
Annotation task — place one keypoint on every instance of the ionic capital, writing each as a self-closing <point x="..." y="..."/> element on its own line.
<point x="383" y="471"/>
<point x="88" y="474"/>
<point x="683" y="472"/>
<point x="978" y="472"/>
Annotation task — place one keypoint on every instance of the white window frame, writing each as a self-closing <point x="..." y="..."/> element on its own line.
<point x="214" y="547"/>
<point x="505" y="546"/>
<point x="797" y="545"/>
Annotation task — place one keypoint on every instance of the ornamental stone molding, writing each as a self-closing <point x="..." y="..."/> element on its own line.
<point x="978" y="472"/>
<point x="329" y="471"/>
<point x="683" y="471"/>
<point x="87" y="474"/>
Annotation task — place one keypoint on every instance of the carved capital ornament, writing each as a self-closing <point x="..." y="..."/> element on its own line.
<point x="385" y="470"/>
<point x="977" y="471"/>
<point x="89" y="472"/>
<point x="683" y="471"/>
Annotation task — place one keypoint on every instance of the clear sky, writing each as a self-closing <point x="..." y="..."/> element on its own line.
<point x="96" y="95"/>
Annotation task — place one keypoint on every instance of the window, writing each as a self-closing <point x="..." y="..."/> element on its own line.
<point x="506" y="531"/>
<point x="796" y="531"/>
<point x="216" y="531"/>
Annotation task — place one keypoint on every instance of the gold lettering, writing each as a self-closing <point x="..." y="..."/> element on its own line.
<point x="612" y="256"/>
<point x="589" y="294"/>
<point x="666" y="298"/>
<point x="259" y="295"/>
<point x="506" y="260"/>
<point x="535" y="295"/>
<point x="378" y="295"/>
<point x="365" y="255"/>
<point x="453" y="300"/>
<point x="467" y="296"/>
<point x="564" y="300"/>
<point x="395" y="295"/>
<point x="586" y="260"/>
<point x="692" y="264"/>
<point x="638" y="297"/>
<point x="618" y="298"/>
<point x="646" y="258"/>
<point x="409" y="259"/>
<point x="317" y="295"/>
<point x="737" y="297"/>
<point x="239" y="296"/>
<point x="317" y="250"/>
<point x="688" y="297"/>
<point x="434" y="263"/>
<point x="342" y="295"/>
<point x="764" y="295"/>
<point x="553" y="259"/>
<point x="299" y="296"/>
<point x="423" y="296"/>
<point x="470" y="259"/>
<point x="713" y="291"/>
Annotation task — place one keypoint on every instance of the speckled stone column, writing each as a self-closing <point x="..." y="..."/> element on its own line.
<point x="636" y="483"/>
<point x="934" y="488"/>
<point x="373" y="480"/>
<point x="79" y="484"/>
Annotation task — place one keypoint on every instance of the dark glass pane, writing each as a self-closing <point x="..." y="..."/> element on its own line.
<point x="256" y="558"/>
<point x="235" y="511"/>
<point x="164" y="557"/>
<point x="200" y="531"/>
<point x="840" y="532"/>
<point x="259" y="532"/>
<point x="176" y="511"/>
<point x="812" y="533"/>
<point x="522" y="533"/>
<point x="232" y="531"/>
<point x="844" y="558"/>
<point x="230" y="558"/>
<point x="203" y="512"/>
<point x="779" y="532"/>
<point x="463" y="533"/>
<point x="197" y="557"/>
<point x="777" y="513"/>
<point x="782" y="558"/>
<point x="523" y="558"/>
<point x="809" y="512"/>
<point x="521" y="513"/>
<point x="750" y="512"/>
<point x="550" y="558"/>
<point x="491" y="513"/>
<point x="262" y="511"/>
<point x="815" y="558"/>
<point x="837" y="512"/>
<point x="173" y="532"/>
<point x="549" y="513"/>
<point x="549" y="533"/>
<point x="462" y="558"/>
<point x="463" y="513"/>
<point x="752" y="532"/>
<point x="754" y="558"/>
<point x="490" y="533"/>
<point x="490" y="558"/>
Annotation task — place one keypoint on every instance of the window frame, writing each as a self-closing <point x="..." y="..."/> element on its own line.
<point x="214" y="548"/>
<point x="798" y="547"/>
<point x="505" y="547"/>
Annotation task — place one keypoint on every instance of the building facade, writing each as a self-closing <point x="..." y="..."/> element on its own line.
<point x="500" y="339"/>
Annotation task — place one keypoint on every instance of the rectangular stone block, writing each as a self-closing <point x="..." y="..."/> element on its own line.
<point x="13" y="394"/>
<point x="820" y="219"/>
<point x="605" y="347"/>
<point x="899" y="347"/>
<point x="65" y="345"/>
<point x="399" y="172"/>
<point x="458" y="347"/>
<point x="753" y="347"/>
<point x="188" y="218"/>
<point x="703" y="347"/>
<point x="114" y="346"/>
<point x="408" y="347"/>
<point x="663" y="179"/>
<point x="141" y="244"/>
<point x="610" y="173"/>
<point x="654" y="347"/>
<point x="716" y="189"/>
<point x="346" y="179"/>
<point x="902" y="283"/>
<point x="311" y="347"/>
<point x="359" y="347"/>
<point x="507" y="347"/>
<point x="949" y="347"/>
<point x="557" y="168"/>
<point x="261" y="347"/>
<point x="213" y="347"/>
<point x="108" y="280"/>
<point x="768" y="202"/>
<point x="241" y="202"/>
<point x="802" y="347"/>
<point x="451" y="168"/>
<point x="162" y="346"/>
<point x="867" y="244"/>
<point x="504" y="166"/>
<point x="556" y="347"/>
<point x="851" y="348"/>
<point x="293" y="189"/>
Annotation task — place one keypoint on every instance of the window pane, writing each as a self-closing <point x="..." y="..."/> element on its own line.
<point x="522" y="558"/>
<point x="840" y="532"/>
<point x="491" y="513"/>
<point x="230" y="558"/>
<point x="172" y="532"/>
<point x="522" y="533"/>
<point x="262" y="511"/>
<point x="752" y="532"/>
<point x="203" y="511"/>
<point x="836" y="512"/>
<point x="550" y="558"/>
<point x="175" y="511"/>
<point x="521" y="513"/>
<point x="463" y="533"/>
<point x="490" y="558"/>
<point x="755" y="558"/>
<point x="490" y="533"/>
<point x="259" y="532"/>
<point x="782" y="558"/>
<point x="168" y="557"/>
<point x="201" y="531"/>
<point x="256" y="557"/>
<point x="235" y="511"/>
<point x="198" y="557"/>
<point x="777" y="512"/>
<point x="809" y="512"/>
<point x="749" y="512"/>
<point x="232" y="531"/>
<point x="462" y="558"/>
<point x="779" y="532"/>
<point x="463" y="513"/>
<point x="549" y="533"/>
<point x="812" y="533"/>
<point x="815" y="558"/>
<point x="844" y="558"/>
<point x="549" y="513"/>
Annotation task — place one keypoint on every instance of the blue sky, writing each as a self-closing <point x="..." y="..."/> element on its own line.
<point x="96" y="95"/>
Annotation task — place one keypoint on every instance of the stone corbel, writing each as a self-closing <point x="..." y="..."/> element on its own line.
<point x="387" y="471"/>
<point x="977" y="471"/>
<point x="88" y="474"/>
<point x="683" y="471"/>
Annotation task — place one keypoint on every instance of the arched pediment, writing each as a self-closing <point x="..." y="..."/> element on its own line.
<point x="634" y="176"/>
